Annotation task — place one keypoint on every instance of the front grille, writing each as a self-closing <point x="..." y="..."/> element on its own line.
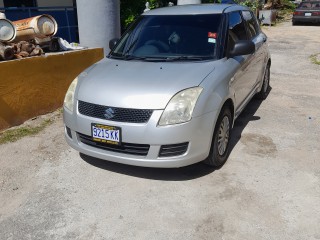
<point x="128" y="148"/>
<point x="114" y="114"/>
<point x="173" y="150"/>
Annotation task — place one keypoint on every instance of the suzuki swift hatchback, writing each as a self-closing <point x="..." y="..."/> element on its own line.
<point x="169" y="91"/>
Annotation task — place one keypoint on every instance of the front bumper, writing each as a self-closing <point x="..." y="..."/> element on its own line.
<point x="197" y="132"/>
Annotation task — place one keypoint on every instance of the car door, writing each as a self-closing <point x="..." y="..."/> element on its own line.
<point x="243" y="79"/>
<point x="259" y="39"/>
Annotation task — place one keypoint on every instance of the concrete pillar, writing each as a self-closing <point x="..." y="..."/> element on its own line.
<point x="183" y="2"/>
<point x="99" y="22"/>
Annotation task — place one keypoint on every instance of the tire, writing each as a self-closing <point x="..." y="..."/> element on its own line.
<point x="265" y="85"/>
<point x="220" y="146"/>
<point x="294" y="23"/>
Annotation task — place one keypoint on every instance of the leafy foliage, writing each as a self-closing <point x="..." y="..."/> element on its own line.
<point x="253" y="5"/>
<point x="130" y="10"/>
<point x="315" y="58"/>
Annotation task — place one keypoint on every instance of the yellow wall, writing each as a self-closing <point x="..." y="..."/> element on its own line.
<point x="33" y="86"/>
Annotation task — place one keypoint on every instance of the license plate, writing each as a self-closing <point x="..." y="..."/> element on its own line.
<point x="308" y="14"/>
<point x="106" y="134"/>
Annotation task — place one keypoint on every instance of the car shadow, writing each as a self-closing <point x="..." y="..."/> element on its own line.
<point x="248" y="115"/>
<point x="191" y="172"/>
<point x="164" y="174"/>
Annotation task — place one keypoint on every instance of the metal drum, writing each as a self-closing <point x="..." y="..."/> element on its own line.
<point x="7" y="30"/>
<point x="39" y="27"/>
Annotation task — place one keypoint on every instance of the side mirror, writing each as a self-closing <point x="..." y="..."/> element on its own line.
<point x="113" y="42"/>
<point x="242" y="47"/>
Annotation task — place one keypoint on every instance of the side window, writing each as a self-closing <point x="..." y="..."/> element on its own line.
<point x="237" y="29"/>
<point x="252" y="24"/>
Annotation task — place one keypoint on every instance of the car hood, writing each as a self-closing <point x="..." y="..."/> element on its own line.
<point x="139" y="84"/>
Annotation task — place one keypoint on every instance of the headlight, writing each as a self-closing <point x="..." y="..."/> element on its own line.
<point x="69" y="98"/>
<point x="180" y="107"/>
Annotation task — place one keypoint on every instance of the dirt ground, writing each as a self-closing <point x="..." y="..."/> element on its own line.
<point x="268" y="189"/>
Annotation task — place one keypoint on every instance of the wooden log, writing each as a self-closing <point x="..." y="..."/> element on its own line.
<point x="6" y="52"/>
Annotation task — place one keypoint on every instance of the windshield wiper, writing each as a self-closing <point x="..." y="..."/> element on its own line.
<point x="132" y="57"/>
<point x="145" y="58"/>
<point x="188" y="58"/>
<point x="129" y="57"/>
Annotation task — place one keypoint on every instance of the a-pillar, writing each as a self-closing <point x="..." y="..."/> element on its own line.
<point x="98" y="22"/>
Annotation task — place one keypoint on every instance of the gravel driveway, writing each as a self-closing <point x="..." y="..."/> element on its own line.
<point x="268" y="189"/>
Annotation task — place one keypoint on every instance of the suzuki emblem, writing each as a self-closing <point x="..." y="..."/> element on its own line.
<point x="109" y="113"/>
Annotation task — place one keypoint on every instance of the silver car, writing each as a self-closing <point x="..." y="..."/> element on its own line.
<point x="171" y="88"/>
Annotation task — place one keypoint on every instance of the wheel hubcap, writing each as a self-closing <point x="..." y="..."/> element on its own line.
<point x="223" y="136"/>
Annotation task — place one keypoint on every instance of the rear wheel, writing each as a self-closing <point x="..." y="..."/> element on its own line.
<point x="265" y="85"/>
<point x="220" y="146"/>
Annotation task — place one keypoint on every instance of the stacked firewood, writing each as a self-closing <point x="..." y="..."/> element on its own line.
<point x="19" y="50"/>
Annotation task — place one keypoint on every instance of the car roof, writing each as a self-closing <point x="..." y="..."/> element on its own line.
<point x="193" y="9"/>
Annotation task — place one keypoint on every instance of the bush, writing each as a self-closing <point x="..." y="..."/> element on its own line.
<point x="130" y="10"/>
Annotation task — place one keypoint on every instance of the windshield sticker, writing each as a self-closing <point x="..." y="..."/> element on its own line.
<point x="212" y="35"/>
<point x="211" y="40"/>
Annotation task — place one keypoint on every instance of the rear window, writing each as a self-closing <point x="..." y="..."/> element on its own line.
<point x="309" y="5"/>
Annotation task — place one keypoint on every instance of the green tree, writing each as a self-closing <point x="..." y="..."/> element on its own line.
<point x="130" y="10"/>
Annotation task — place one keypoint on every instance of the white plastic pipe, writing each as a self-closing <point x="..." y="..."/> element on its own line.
<point x="99" y="22"/>
<point x="184" y="2"/>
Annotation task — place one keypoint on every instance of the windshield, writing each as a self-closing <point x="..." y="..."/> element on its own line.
<point x="179" y="37"/>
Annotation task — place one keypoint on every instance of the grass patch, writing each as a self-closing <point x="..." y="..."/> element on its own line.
<point x="13" y="135"/>
<point x="315" y="58"/>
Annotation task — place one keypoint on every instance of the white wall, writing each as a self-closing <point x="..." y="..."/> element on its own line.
<point x="99" y="22"/>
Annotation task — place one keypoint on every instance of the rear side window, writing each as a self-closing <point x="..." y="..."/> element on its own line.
<point x="252" y="24"/>
<point x="237" y="29"/>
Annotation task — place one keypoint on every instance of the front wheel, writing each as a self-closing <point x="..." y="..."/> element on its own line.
<point x="220" y="146"/>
